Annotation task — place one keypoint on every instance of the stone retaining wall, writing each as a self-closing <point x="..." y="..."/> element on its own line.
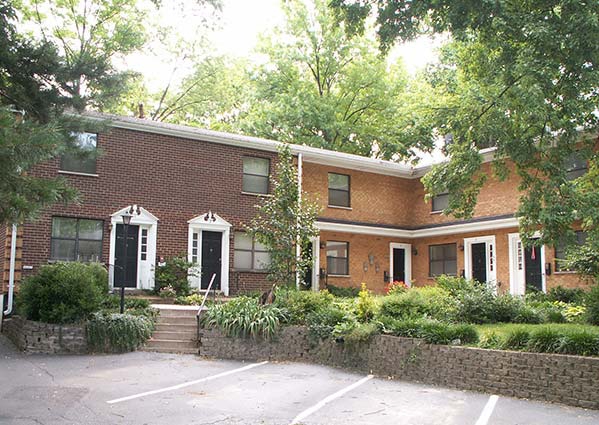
<point x="571" y="380"/>
<point x="46" y="338"/>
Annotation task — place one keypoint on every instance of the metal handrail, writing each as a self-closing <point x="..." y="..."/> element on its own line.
<point x="204" y="303"/>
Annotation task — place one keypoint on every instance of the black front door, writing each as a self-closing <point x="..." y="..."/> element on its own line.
<point x="532" y="268"/>
<point x="399" y="265"/>
<point x="130" y="279"/>
<point x="211" y="258"/>
<point x="479" y="262"/>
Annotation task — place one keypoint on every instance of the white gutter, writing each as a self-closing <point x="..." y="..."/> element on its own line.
<point x="11" y="273"/>
<point x="298" y="248"/>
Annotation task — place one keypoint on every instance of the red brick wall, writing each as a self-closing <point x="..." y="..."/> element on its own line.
<point x="175" y="179"/>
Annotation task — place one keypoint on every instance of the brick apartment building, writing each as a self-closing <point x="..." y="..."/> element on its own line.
<point x="195" y="188"/>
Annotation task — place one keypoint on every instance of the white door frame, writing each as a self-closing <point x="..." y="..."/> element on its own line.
<point x="491" y="254"/>
<point x="145" y="268"/>
<point x="518" y="266"/>
<point x="316" y="263"/>
<point x="212" y="223"/>
<point x="407" y="260"/>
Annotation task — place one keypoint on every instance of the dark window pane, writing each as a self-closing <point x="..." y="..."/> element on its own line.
<point x="442" y="259"/>
<point x="63" y="250"/>
<point x="440" y="202"/>
<point x="261" y="260"/>
<point x="89" y="251"/>
<point x="575" y="165"/>
<point x="338" y="181"/>
<point x="255" y="184"/>
<point x="338" y="198"/>
<point x="85" y="161"/>
<point x="243" y="260"/>
<point x="337" y="258"/>
<point x="337" y="266"/>
<point x="258" y="166"/>
<point x="64" y="227"/>
<point x="90" y="229"/>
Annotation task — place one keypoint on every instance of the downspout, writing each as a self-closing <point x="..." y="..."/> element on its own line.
<point x="298" y="248"/>
<point x="11" y="273"/>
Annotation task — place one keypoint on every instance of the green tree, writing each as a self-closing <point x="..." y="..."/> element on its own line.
<point x="522" y="75"/>
<point x="283" y="221"/>
<point x="321" y="88"/>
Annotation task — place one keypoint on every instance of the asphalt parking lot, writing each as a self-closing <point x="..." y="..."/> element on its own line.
<point x="153" y="388"/>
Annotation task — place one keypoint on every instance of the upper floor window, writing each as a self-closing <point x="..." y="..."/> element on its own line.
<point x="337" y="258"/>
<point x="250" y="254"/>
<point x="560" y="250"/>
<point x="85" y="162"/>
<point x="576" y="166"/>
<point x="255" y="175"/>
<point x="440" y="202"/>
<point x="339" y="190"/>
<point x="76" y="239"/>
<point x="442" y="259"/>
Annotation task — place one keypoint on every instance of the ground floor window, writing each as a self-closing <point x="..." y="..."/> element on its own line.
<point x="76" y="239"/>
<point x="249" y="253"/>
<point x="442" y="260"/>
<point x="560" y="251"/>
<point x="337" y="258"/>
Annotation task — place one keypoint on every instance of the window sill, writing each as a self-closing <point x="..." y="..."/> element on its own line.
<point x="75" y="173"/>
<point x="267" y="195"/>
<point x="436" y="212"/>
<point x="340" y="207"/>
<point x="250" y="271"/>
<point x="338" y="275"/>
<point x="565" y="272"/>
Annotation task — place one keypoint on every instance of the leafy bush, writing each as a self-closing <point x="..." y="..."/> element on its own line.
<point x="419" y="302"/>
<point x="591" y="303"/>
<point x="549" y="312"/>
<point x="63" y="292"/>
<point x="135" y="306"/>
<point x="396" y="287"/>
<point x="566" y="295"/>
<point x="299" y="304"/>
<point x="113" y="332"/>
<point x="175" y="273"/>
<point x="357" y="333"/>
<point x="476" y="305"/>
<point x="322" y="322"/>
<point x="506" y="308"/>
<point x="244" y="317"/>
<point x="455" y="285"/>
<point x="432" y="331"/>
<point x="491" y="341"/>
<point x="544" y="340"/>
<point x="528" y="314"/>
<point x="366" y="307"/>
<point x="516" y="339"/>
<point x="343" y="292"/>
<point x="193" y="299"/>
<point x="580" y="343"/>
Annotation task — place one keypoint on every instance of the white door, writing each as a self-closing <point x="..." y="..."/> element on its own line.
<point x="480" y="260"/>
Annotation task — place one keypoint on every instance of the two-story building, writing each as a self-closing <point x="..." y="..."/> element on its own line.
<point x="192" y="190"/>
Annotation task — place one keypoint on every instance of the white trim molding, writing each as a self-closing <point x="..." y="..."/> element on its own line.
<point x="449" y="229"/>
<point x="517" y="264"/>
<point x="491" y="258"/>
<point x="145" y="268"/>
<point x="407" y="261"/>
<point x="210" y="222"/>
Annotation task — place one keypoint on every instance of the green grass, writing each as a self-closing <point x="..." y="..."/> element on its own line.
<point x="503" y="329"/>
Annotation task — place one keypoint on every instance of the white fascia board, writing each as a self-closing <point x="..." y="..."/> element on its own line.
<point x="480" y="226"/>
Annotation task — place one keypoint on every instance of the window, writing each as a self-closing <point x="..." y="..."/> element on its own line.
<point x="76" y="239"/>
<point x="560" y="251"/>
<point x="255" y="175"/>
<point x="250" y="254"/>
<point x="144" y="244"/>
<point x="442" y="259"/>
<point x="575" y="165"/>
<point x="440" y="202"/>
<point x="85" y="162"/>
<point x="338" y="190"/>
<point x="337" y="258"/>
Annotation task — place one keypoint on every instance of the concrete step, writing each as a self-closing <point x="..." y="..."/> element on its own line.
<point x="167" y="312"/>
<point x="176" y="320"/>
<point x="171" y="344"/>
<point x="176" y="335"/>
<point x="172" y="350"/>
<point x="169" y="327"/>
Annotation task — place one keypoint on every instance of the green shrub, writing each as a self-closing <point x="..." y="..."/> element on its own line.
<point x="63" y="292"/>
<point x="419" y="302"/>
<point x="358" y="333"/>
<point x="193" y="299"/>
<point x="118" y="332"/>
<point x="506" y="308"/>
<point x="322" y="322"/>
<point x="244" y="317"/>
<point x="432" y="331"/>
<point x="476" y="305"/>
<point x="528" y="314"/>
<point x="366" y="307"/>
<point x="343" y="292"/>
<point x="174" y="274"/>
<point x="580" y="343"/>
<point x="591" y="303"/>
<point x="516" y="339"/>
<point x="454" y="285"/>
<point x="491" y="340"/>
<point x="566" y="295"/>
<point x="299" y="304"/>
<point x="135" y="306"/>
<point x="545" y="340"/>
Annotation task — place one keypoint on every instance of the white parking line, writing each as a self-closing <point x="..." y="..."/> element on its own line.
<point x="187" y="384"/>
<point x="330" y="398"/>
<point x="487" y="411"/>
